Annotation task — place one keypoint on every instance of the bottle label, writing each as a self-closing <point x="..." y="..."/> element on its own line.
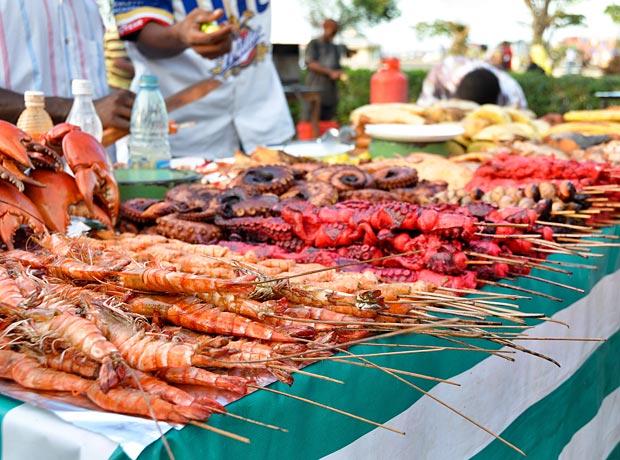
<point x="162" y="164"/>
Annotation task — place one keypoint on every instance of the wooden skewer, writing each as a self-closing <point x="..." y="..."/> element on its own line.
<point x="587" y="235"/>
<point x="554" y="283"/>
<point x="520" y="289"/>
<point x="524" y="236"/>
<point x="325" y="406"/>
<point x="249" y="420"/>
<point x="479" y="262"/>
<point x="306" y="373"/>
<point x="221" y="432"/>
<point x="447" y="406"/>
<point x="517" y="262"/>
<point x="561" y="339"/>
<point x="479" y="292"/>
<point x="399" y="371"/>
<point x="501" y="224"/>
<point x="558" y="262"/>
<point x="561" y="225"/>
<point x="373" y="355"/>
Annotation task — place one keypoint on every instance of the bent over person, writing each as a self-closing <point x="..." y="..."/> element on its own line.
<point x="458" y="77"/>
<point x="249" y="109"/>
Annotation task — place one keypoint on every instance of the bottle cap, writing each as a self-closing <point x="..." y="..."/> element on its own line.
<point x="34" y="99"/>
<point x="149" y="81"/>
<point x="81" y="88"/>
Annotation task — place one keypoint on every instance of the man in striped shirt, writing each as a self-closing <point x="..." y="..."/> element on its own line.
<point x="44" y="44"/>
<point x="249" y="109"/>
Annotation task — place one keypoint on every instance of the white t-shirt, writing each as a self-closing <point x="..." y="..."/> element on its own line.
<point x="248" y="109"/>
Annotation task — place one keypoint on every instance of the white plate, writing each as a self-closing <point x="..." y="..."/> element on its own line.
<point x="313" y="149"/>
<point x="415" y="133"/>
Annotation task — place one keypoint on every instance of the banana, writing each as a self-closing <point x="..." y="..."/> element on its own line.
<point x="585" y="128"/>
<point x="519" y="116"/>
<point x="593" y="115"/>
<point x="494" y="113"/>
<point x="507" y="132"/>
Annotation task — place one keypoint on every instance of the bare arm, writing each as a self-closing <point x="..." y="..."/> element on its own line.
<point x="156" y="41"/>
<point x="13" y="104"/>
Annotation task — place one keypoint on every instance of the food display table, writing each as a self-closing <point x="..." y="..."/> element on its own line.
<point x="548" y="412"/>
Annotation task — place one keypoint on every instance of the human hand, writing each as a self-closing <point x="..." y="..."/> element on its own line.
<point x="208" y="45"/>
<point x="114" y="110"/>
<point x="335" y="74"/>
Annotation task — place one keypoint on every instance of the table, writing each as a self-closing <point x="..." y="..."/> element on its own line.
<point x="608" y="96"/>
<point x="549" y="412"/>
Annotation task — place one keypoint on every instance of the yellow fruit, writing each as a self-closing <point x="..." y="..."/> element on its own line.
<point x="507" y="132"/>
<point x="585" y="128"/>
<point x="593" y="115"/>
<point x="519" y="116"/>
<point x="494" y="113"/>
<point x="209" y="27"/>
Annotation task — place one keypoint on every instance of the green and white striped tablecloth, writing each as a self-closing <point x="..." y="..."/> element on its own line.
<point x="572" y="412"/>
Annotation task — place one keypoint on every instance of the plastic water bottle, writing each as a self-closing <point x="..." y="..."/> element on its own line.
<point x="148" y="142"/>
<point x="83" y="113"/>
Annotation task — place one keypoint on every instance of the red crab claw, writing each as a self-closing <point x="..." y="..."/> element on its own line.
<point x="54" y="136"/>
<point x="87" y="159"/>
<point x="17" y="210"/>
<point x="61" y="199"/>
<point x="13" y="143"/>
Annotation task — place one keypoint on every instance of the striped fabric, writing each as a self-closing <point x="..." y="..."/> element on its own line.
<point x="44" y="44"/>
<point x="572" y="412"/>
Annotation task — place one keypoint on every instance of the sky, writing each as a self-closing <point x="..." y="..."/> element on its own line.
<point x="490" y="22"/>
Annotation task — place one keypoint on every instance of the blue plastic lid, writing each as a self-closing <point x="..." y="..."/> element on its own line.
<point x="149" y="81"/>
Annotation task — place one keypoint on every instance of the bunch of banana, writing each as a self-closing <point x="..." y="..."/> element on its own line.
<point x="590" y="122"/>
<point x="593" y="128"/>
<point x="490" y="125"/>
<point x="611" y="114"/>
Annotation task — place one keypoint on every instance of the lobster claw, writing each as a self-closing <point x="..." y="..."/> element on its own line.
<point x="17" y="210"/>
<point x="88" y="160"/>
<point x="60" y="199"/>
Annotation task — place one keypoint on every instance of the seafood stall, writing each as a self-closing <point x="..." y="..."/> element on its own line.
<point x="285" y="307"/>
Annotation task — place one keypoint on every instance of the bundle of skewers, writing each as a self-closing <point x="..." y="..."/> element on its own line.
<point x="125" y="324"/>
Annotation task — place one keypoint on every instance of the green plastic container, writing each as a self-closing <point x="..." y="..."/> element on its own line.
<point x="387" y="149"/>
<point x="151" y="183"/>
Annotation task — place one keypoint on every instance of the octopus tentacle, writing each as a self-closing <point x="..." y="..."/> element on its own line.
<point x="369" y="194"/>
<point x="317" y="193"/>
<point x="172" y="226"/>
<point x="266" y="179"/>
<point x="342" y="177"/>
<point x="395" y="177"/>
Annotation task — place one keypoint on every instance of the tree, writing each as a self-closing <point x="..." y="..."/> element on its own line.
<point x="352" y="13"/>
<point x="550" y="15"/>
<point x="614" y="12"/>
<point x="459" y="33"/>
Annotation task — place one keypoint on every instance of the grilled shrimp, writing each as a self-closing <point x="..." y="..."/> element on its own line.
<point x="196" y="376"/>
<point x="30" y="374"/>
<point x="135" y="402"/>
<point x="79" y="333"/>
<point x="167" y="281"/>
<point x="204" y="318"/>
<point x="156" y="387"/>
<point x="11" y="294"/>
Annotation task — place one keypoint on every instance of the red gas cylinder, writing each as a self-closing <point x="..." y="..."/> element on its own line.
<point x="389" y="84"/>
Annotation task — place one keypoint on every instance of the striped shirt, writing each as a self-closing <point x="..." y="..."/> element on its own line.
<point x="249" y="109"/>
<point x="443" y="80"/>
<point x="44" y="44"/>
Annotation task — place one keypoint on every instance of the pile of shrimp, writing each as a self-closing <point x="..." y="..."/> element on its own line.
<point x="157" y="328"/>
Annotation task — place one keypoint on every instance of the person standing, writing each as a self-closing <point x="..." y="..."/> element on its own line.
<point x="44" y="44"/>
<point x="249" y="109"/>
<point x="324" y="70"/>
